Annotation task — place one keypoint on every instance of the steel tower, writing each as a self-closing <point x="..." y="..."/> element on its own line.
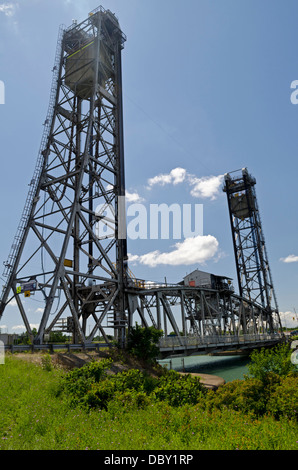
<point x="252" y="265"/>
<point x="68" y="250"/>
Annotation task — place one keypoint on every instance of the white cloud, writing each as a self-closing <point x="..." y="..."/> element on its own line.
<point x="8" y="9"/>
<point x="289" y="319"/>
<point x="18" y="327"/>
<point x="130" y="197"/>
<point x="133" y="197"/>
<point x="205" y="187"/>
<point x="191" y="251"/>
<point x="132" y="258"/>
<point x="177" y="175"/>
<point x="290" y="259"/>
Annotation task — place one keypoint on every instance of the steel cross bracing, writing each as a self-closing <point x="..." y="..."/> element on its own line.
<point x="63" y="243"/>
<point x="196" y="319"/>
<point x="70" y="249"/>
<point x="253" y="271"/>
<point x="194" y="311"/>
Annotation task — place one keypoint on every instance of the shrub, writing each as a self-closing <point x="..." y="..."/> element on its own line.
<point x="132" y="383"/>
<point x="178" y="390"/>
<point x="132" y="379"/>
<point x="276" y="360"/>
<point x="79" y="381"/>
<point x="99" y="395"/>
<point x="283" y="401"/>
<point x="142" y="342"/>
<point x="95" y="371"/>
<point x="279" y="397"/>
<point x="128" y="400"/>
<point x="248" y="396"/>
<point x="46" y="362"/>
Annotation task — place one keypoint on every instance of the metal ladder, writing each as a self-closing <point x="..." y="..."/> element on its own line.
<point x="32" y="193"/>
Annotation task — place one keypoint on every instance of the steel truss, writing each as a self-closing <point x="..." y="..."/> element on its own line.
<point x="70" y="248"/>
<point x="191" y="311"/>
<point x="76" y="255"/>
<point x="253" y="271"/>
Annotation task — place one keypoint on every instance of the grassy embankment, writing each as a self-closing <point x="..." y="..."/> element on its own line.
<point x="43" y="406"/>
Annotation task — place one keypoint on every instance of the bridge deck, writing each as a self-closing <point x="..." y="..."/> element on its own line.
<point x="187" y="345"/>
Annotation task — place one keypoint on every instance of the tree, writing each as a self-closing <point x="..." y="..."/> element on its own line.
<point x="142" y="342"/>
<point x="275" y="360"/>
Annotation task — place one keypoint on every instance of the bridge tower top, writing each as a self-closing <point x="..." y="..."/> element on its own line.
<point x="252" y="264"/>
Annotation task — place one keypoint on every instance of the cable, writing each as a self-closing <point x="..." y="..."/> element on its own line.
<point x="165" y="132"/>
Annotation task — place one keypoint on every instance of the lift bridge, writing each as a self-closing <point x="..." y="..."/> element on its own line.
<point x="81" y="280"/>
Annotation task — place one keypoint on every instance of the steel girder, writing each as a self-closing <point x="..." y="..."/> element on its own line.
<point x="68" y="240"/>
<point x="68" y="251"/>
<point x="252" y="265"/>
<point x="191" y="311"/>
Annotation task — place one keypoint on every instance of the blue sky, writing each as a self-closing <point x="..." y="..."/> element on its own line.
<point x="207" y="88"/>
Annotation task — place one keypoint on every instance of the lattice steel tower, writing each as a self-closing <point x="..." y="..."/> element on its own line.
<point x="252" y="265"/>
<point x="68" y="250"/>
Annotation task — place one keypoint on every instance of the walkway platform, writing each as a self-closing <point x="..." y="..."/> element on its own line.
<point x="188" y="345"/>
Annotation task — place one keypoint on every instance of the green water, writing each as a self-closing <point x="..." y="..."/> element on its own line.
<point x="227" y="367"/>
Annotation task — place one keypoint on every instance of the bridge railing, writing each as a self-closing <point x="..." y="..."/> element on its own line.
<point x="196" y="341"/>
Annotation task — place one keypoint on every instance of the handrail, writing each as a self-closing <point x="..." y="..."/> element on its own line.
<point x="185" y="341"/>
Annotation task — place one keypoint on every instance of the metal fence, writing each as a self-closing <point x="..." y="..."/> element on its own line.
<point x="55" y="347"/>
<point x="197" y="341"/>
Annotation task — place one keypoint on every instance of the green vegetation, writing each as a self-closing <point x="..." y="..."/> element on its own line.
<point x="142" y="342"/>
<point x="267" y="361"/>
<point x="130" y="388"/>
<point x="45" y="407"/>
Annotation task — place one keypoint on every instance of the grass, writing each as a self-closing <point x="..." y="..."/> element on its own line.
<point x="36" y="415"/>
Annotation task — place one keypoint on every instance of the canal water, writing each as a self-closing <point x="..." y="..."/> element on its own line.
<point x="228" y="367"/>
